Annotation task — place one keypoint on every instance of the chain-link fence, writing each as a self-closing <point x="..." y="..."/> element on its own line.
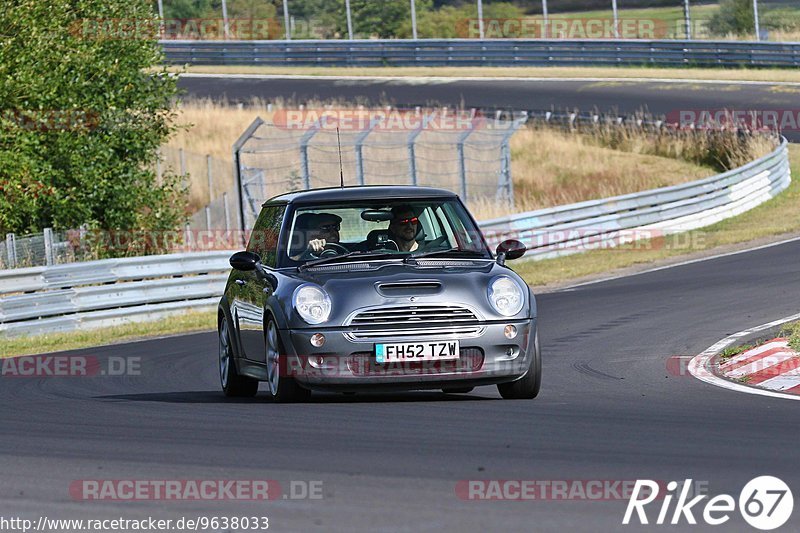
<point x="307" y="149"/>
<point x="39" y="249"/>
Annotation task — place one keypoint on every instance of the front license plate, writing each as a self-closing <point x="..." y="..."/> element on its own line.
<point x="417" y="351"/>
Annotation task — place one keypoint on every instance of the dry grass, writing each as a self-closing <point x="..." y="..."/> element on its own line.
<point x="550" y="167"/>
<point x="553" y="167"/>
<point x="695" y="74"/>
<point x="208" y="128"/>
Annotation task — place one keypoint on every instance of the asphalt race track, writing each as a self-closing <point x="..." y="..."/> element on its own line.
<point x="609" y="410"/>
<point x="658" y="97"/>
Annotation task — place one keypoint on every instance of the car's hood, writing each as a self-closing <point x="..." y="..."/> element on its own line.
<point x="381" y="284"/>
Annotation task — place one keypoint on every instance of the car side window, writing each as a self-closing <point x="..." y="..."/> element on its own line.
<point x="264" y="239"/>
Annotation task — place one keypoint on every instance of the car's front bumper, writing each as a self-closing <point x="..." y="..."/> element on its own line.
<point x="347" y="363"/>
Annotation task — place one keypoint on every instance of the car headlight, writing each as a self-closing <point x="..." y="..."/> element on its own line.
<point x="312" y="303"/>
<point x="506" y="296"/>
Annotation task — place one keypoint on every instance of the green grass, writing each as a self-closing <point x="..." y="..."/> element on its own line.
<point x="75" y="340"/>
<point x="776" y="217"/>
<point x="792" y="332"/>
<point x="727" y="353"/>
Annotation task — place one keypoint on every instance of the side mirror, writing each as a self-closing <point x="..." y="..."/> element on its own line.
<point x="245" y="261"/>
<point x="510" y="250"/>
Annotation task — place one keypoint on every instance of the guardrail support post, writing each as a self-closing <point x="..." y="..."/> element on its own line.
<point x="11" y="250"/>
<point x="48" y="246"/>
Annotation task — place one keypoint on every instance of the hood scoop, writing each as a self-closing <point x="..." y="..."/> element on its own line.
<point x="408" y="288"/>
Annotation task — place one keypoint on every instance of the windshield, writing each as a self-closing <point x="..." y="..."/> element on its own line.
<point x="381" y="230"/>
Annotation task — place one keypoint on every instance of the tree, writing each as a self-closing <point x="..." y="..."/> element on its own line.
<point x="85" y="106"/>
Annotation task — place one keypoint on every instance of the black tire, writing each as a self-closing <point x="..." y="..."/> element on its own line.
<point x="457" y="390"/>
<point x="527" y="387"/>
<point x="283" y="388"/>
<point x="233" y="385"/>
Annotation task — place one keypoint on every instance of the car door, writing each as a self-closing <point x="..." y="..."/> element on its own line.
<point x="252" y="290"/>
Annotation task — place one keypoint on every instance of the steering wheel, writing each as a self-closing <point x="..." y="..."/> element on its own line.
<point x="332" y="249"/>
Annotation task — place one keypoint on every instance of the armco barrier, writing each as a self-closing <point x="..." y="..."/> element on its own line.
<point x="491" y="52"/>
<point x="110" y="292"/>
<point x="566" y="229"/>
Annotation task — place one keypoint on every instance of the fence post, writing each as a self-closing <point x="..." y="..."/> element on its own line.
<point x="359" y="145"/>
<point x="412" y="149"/>
<point x="304" y="140"/>
<point x="210" y="179"/>
<point x="227" y="211"/>
<point x="462" y="164"/>
<point x="158" y="166"/>
<point x="505" y="184"/>
<point x="182" y="157"/>
<point x="48" y="247"/>
<point x="11" y="250"/>
<point x="187" y="238"/>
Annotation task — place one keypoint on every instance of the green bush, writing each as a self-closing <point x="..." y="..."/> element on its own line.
<point x="733" y="17"/>
<point x="85" y="106"/>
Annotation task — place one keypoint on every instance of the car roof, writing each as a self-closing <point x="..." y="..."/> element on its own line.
<point x="368" y="192"/>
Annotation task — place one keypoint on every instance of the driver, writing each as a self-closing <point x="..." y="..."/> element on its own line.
<point x="320" y="229"/>
<point x="404" y="227"/>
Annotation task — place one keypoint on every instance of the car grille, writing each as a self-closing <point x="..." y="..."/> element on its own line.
<point x="415" y="321"/>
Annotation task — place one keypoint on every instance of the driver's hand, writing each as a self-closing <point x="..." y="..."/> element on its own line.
<point x="316" y="245"/>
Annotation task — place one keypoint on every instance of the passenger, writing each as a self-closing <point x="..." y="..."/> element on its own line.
<point x="404" y="227"/>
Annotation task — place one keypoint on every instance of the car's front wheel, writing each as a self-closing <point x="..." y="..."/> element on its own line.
<point x="284" y="388"/>
<point x="527" y="387"/>
<point x="233" y="385"/>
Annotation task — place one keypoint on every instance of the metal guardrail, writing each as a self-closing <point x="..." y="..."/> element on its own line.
<point x="114" y="291"/>
<point x="491" y="52"/>
<point x="109" y="292"/>
<point x="612" y="221"/>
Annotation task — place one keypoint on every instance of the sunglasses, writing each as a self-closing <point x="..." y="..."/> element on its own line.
<point x="412" y="220"/>
<point x="330" y="227"/>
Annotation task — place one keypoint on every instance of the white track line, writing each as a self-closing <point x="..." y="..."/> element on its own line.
<point x="682" y="263"/>
<point x="699" y="366"/>
<point x="445" y="79"/>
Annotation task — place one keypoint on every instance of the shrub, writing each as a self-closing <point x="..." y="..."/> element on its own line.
<point x="85" y="106"/>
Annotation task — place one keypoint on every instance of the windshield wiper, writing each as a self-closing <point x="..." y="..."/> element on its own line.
<point x="357" y="254"/>
<point x="458" y="252"/>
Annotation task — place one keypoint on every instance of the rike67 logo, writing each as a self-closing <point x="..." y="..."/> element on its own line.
<point x="765" y="503"/>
